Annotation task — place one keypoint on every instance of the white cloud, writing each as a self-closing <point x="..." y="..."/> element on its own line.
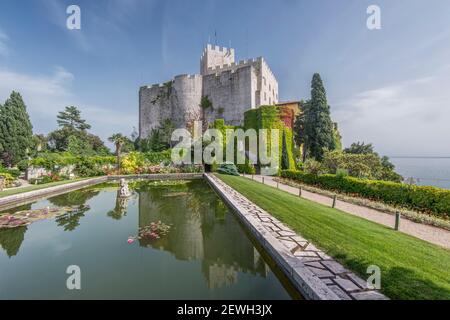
<point x="407" y="118"/>
<point x="3" y="47"/>
<point x="46" y="95"/>
<point x="42" y="92"/>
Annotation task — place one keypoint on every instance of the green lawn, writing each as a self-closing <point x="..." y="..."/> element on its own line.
<point x="11" y="192"/>
<point x="411" y="268"/>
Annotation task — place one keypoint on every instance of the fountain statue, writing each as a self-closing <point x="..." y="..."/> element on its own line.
<point x="124" y="191"/>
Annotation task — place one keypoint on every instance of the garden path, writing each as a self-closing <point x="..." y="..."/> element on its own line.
<point x="425" y="232"/>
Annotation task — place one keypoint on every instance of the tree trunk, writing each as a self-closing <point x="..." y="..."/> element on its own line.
<point x="118" y="149"/>
<point x="304" y="152"/>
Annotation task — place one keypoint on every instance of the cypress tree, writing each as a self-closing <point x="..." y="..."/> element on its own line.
<point x="318" y="124"/>
<point x="16" y="131"/>
<point x="284" y="154"/>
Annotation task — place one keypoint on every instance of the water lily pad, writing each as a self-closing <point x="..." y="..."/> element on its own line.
<point x="27" y="217"/>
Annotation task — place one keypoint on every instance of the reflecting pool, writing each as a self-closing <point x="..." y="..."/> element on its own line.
<point x="206" y="254"/>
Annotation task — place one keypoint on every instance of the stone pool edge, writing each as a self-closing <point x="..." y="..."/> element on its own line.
<point x="25" y="197"/>
<point x="314" y="274"/>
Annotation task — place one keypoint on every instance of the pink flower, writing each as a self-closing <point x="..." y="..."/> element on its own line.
<point x="130" y="241"/>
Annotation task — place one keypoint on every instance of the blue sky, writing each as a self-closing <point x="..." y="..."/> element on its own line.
<point x="388" y="86"/>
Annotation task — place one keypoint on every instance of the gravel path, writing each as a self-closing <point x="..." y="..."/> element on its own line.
<point x="425" y="232"/>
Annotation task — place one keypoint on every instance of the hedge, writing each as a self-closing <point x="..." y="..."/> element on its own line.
<point x="51" y="160"/>
<point x="158" y="157"/>
<point x="426" y="199"/>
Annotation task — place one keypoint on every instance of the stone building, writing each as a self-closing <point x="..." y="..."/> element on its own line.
<point x="230" y="88"/>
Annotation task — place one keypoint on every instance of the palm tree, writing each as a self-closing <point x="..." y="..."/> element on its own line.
<point x="119" y="140"/>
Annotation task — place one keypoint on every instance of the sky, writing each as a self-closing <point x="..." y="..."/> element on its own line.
<point x="390" y="87"/>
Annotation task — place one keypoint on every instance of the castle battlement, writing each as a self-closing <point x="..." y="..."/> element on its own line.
<point x="176" y="78"/>
<point x="216" y="49"/>
<point x="233" y="65"/>
<point x="187" y="76"/>
<point x="240" y="64"/>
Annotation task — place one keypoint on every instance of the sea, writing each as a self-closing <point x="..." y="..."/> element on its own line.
<point x="425" y="171"/>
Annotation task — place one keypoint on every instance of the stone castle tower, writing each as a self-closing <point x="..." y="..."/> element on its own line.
<point x="231" y="88"/>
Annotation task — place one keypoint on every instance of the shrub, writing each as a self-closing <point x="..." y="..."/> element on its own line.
<point x="15" y="173"/>
<point x="86" y="168"/>
<point x="52" y="161"/>
<point x="132" y="163"/>
<point x="228" y="168"/>
<point x="314" y="167"/>
<point x="52" y="177"/>
<point x="340" y="173"/>
<point x="247" y="168"/>
<point x="22" y="165"/>
<point x="431" y="200"/>
<point x="9" y="179"/>
<point x="158" y="157"/>
<point x="214" y="167"/>
<point x="360" y="165"/>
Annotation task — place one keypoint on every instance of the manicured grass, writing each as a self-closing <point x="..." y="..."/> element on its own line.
<point x="410" y="268"/>
<point x="11" y="192"/>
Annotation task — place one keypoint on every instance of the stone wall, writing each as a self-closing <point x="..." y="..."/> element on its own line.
<point x="215" y="56"/>
<point x="269" y="85"/>
<point x="177" y="100"/>
<point x="233" y="88"/>
<point x="36" y="173"/>
<point x="231" y="93"/>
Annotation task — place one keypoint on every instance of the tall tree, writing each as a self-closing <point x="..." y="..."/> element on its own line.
<point x="167" y="129"/>
<point x="119" y="140"/>
<point x="71" y="118"/>
<point x="318" y="126"/>
<point x="16" y="131"/>
<point x="299" y="128"/>
<point x="72" y="125"/>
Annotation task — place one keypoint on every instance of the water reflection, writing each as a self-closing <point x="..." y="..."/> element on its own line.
<point x="120" y="209"/>
<point x="202" y="229"/>
<point x="11" y="240"/>
<point x="71" y="220"/>
<point x="205" y="255"/>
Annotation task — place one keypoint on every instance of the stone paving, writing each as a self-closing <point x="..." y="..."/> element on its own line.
<point x="313" y="272"/>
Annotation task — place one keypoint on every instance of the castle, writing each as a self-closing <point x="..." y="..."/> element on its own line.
<point x="224" y="89"/>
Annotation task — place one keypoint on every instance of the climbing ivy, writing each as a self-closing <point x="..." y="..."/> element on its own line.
<point x="269" y="117"/>
<point x="205" y="103"/>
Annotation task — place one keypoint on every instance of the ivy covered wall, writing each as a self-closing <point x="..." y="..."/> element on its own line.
<point x="273" y="117"/>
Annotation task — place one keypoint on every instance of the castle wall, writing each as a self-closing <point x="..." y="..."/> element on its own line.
<point x="187" y="99"/>
<point x="269" y="85"/>
<point x="233" y="88"/>
<point x="231" y="93"/>
<point x="152" y="108"/>
<point x="215" y="56"/>
<point x="177" y="100"/>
